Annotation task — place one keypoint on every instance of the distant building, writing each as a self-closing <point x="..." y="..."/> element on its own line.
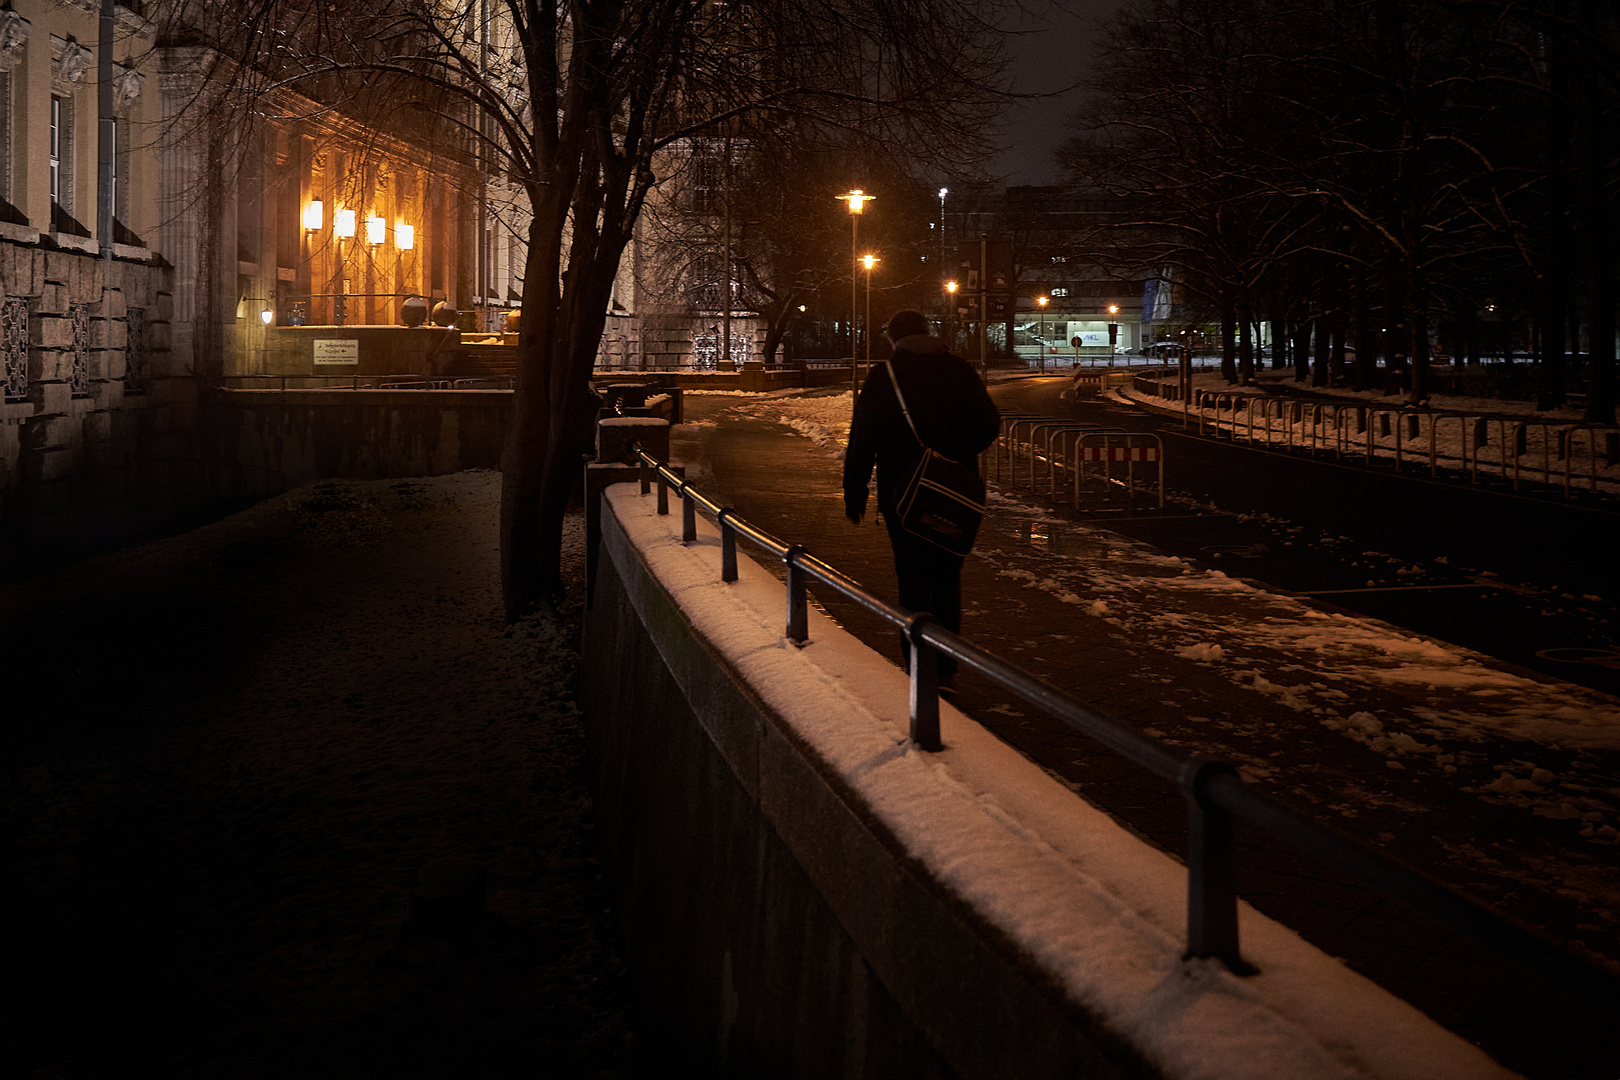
<point x="1054" y="233"/>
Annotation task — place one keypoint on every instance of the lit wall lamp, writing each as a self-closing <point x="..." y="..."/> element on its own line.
<point x="404" y="236"/>
<point x="343" y="224"/>
<point x="267" y="314"/>
<point x="376" y="230"/>
<point x="314" y="216"/>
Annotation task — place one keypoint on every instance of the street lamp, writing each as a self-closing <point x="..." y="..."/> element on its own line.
<point x="1113" y="334"/>
<point x="856" y="199"/>
<point x="942" y="193"/>
<point x="267" y="314"/>
<point x="869" y="261"/>
<point x="1043" y="301"/>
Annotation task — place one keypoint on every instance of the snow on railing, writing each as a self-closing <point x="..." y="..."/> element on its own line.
<point x="1216" y="795"/>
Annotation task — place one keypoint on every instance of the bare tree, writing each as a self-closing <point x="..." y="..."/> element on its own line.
<point x="1411" y="149"/>
<point x="584" y="105"/>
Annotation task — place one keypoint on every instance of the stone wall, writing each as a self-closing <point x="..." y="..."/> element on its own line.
<point x="98" y="418"/>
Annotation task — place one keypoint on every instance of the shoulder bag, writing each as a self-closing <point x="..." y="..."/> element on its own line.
<point x="942" y="501"/>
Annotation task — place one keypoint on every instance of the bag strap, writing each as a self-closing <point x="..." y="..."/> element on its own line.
<point x="894" y="381"/>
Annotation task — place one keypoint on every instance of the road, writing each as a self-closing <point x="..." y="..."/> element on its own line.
<point x="1532" y="582"/>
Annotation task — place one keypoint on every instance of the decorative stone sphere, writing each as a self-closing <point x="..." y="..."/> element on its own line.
<point x="414" y="311"/>
<point x="444" y="314"/>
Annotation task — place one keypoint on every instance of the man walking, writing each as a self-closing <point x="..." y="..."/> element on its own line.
<point x="953" y="415"/>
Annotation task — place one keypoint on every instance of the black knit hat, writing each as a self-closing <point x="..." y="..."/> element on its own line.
<point x="906" y="322"/>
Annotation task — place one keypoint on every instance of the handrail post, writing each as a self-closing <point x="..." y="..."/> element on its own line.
<point x="728" y="546"/>
<point x="1212" y="926"/>
<point x="688" y="515"/>
<point x="798" y="607"/>
<point x="924" y="686"/>
<point x="663" y="492"/>
<point x="646" y="475"/>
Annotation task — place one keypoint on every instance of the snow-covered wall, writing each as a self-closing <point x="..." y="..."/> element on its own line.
<point x="803" y="893"/>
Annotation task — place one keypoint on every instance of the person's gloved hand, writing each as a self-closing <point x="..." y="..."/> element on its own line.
<point x="854" y="509"/>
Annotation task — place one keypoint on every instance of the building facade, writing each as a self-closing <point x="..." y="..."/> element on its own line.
<point x="155" y="237"/>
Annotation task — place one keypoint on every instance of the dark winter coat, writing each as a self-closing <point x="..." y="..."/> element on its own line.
<point x="953" y="413"/>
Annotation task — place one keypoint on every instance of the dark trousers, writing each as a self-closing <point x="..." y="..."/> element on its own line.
<point x="931" y="581"/>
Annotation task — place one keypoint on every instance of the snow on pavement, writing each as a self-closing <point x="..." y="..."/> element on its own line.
<point x="1094" y="905"/>
<point x="1434" y="711"/>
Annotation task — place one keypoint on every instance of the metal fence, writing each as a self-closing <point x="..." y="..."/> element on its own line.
<point x="1216" y="796"/>
<point x="364" y="382"/>
<point x="1512" y="450"/>
<point x="1066" y="460"/>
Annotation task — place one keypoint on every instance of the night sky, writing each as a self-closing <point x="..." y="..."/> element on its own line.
<point x="1050" y="54"/>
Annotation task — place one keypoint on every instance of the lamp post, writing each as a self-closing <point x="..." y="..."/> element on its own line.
<point x="1113" y="333"/>
<point x="950" y="312"/>
<point x="869" y="261"/>
<point x="1043" y="301"/>
<point x="942" y="193"/>
<point x="856" y="199"/>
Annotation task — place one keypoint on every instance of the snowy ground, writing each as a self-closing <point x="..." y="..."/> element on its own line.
<point x="229" y="755"/>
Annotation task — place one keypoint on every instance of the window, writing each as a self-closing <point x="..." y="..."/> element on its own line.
<point x="1060" y="291"/>
<point x="118" y="184"/>
<point x="56" y="148"/>
<point x="5" y="135"/>
<point x="61" y="152"/>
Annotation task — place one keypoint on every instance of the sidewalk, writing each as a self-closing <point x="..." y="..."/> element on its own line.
<point x="229" y="757"/>
<point x="1497" y="783"/>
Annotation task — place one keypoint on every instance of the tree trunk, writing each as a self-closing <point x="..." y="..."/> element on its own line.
<point x="1366" y="351"/>
<point x="1229" y="370"/>
<point x="1321" y="372"/>
<point x="1336" y="365"/>
<point x="1417" y="391"/>
<point x="529" y="432"/>
<point x="1600" y="276"/>
<point x="1245" y="344"/>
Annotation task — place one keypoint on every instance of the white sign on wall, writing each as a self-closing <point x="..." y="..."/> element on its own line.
<point x="1088" y="337"/>
<point x="336" y="351"/>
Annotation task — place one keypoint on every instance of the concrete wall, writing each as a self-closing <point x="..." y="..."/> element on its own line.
<point x="803" y="893"/>
<point x="262" y="442"/>
<point x="709" y="812"/>
<point x="379" y="350"/>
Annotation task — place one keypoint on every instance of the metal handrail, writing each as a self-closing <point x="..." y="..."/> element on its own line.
<point x="1215" y="794"/>
<point x="372" y="382"/>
